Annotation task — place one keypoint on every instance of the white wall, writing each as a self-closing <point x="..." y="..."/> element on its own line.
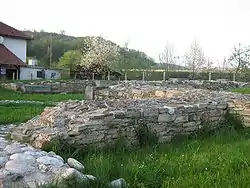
<point x="25" y="73"/>
<point x="16" y="46"/>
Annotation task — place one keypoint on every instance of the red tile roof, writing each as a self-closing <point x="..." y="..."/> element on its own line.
<point x="9" y="31"/>
<point x="8" y="58"/>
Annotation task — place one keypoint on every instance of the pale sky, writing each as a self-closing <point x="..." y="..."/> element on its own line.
<point x="146" y="25"/>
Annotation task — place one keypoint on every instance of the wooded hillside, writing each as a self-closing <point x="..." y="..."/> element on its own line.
<point x="40" y="48"/>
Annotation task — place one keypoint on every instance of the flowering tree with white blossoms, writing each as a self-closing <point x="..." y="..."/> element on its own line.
<point x="98" y="55"/>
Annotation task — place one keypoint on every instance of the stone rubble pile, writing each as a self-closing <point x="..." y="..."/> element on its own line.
<point x="24" y="166"/>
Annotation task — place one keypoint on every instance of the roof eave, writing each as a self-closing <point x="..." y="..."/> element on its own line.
<point x="18" y="37"/>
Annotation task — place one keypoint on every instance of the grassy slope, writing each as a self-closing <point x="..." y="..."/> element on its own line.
<point x="17" y="113"/>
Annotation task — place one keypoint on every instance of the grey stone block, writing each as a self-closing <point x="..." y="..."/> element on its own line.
<point x="90" y="92"/>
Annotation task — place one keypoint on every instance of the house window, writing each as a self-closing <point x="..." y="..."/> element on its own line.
<point x="39" y="74"/>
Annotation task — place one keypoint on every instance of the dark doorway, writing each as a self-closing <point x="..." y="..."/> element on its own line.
<point x="10" y="72"/>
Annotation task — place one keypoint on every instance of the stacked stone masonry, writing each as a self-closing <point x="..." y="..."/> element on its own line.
<point x="70" y="86"/>
<point x="241" y="109"/>
<point x="80" y="85"/>
<point x="101" y="122"/>
<point x="119" y="111"/>
<point x="160" y="89"/>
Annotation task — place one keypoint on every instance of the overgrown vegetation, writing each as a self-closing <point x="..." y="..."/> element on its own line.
<point x="218" y="158"/>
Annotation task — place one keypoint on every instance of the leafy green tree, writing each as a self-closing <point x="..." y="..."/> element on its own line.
<point x="70" y="60"/>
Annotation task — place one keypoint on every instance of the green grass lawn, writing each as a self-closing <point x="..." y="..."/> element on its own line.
<point x="221" y="159"/>
<point x="17" y="113"/>
<point x="6" y="94"/>
<point x="242" y="90"/>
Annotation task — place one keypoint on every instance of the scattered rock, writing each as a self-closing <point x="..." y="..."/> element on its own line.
<point x="47" y="160"/>
<point x="70" y="177"/>
<point x="35" y="154"/>
<point x="3" y="161"/>
<point x="20" y="167"/>
<point x="30" y="168"/>
<point x="37" y="179"/>
<point x="52" y="153"/>
<point x="22" y="157"/>
<point x="119" y="183"/>
<point x="75" y="164"/>
<point x="90" y="177"/>
<point x="13" y="148"/>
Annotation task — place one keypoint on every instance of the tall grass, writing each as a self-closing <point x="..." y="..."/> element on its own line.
<point x="218" y="159"/>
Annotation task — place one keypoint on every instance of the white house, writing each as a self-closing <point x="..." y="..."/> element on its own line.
<point x="36" y="73"/>
<point x="13" y="47"/>
<point x="13" y="53"/>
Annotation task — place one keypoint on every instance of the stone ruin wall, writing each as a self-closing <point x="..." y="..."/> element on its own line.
<point x="84" y="125"/>
<point x="120" y="110"/>
<point x="240" y="108"/>
<point x="135" y="93"/>
<point x="167" y="111"/>
<point x="49" y="87"/>
<point x="159" y="89"/>
<point x="80" y="85"/>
